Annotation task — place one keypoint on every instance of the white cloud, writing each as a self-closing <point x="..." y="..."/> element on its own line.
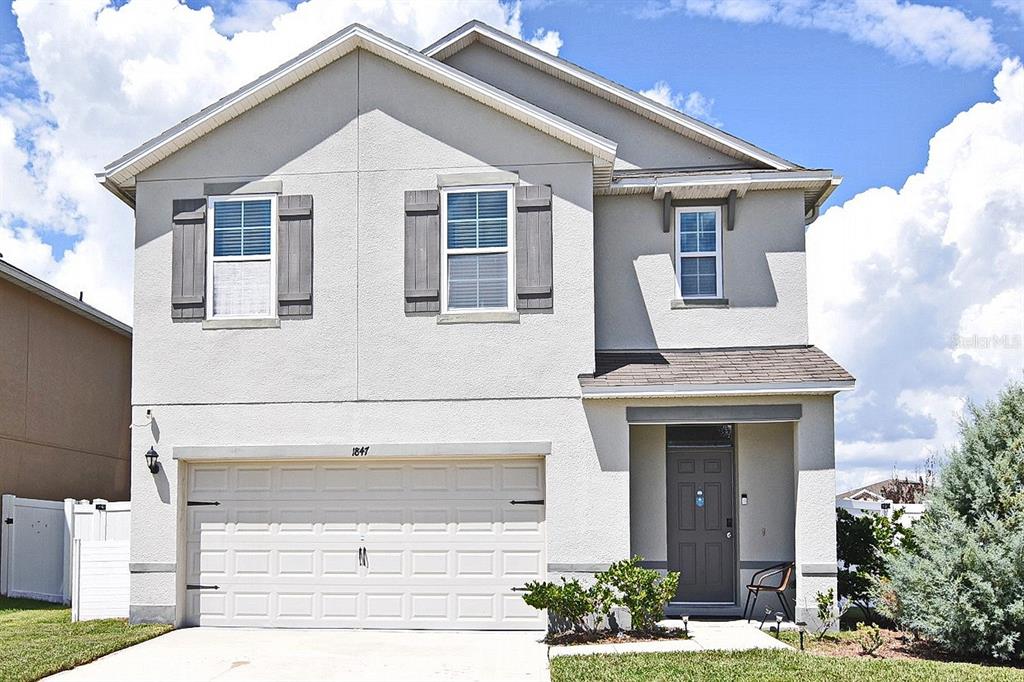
<point x="694" y="103"/>
<point x="920" y="291"/>
<point x="909" y="31"/>
<point x="1012" y="7"/>
<point x="111" y="77"/>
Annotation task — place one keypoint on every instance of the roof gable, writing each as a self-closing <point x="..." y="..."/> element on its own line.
<point x="119" y="175"/>
<point x="476" y="31"/>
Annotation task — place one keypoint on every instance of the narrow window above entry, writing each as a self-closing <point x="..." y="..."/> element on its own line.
<point x="477" y="234"/>
<point x="698" y="241"/>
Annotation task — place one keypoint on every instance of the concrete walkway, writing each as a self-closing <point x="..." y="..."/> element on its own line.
<point x="239" y="654"/>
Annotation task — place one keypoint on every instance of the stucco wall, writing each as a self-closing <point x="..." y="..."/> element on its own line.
<point x="361" y="370"/>
<point x="64" y="401"/>
<point x="641" y="142"/>
<point x="764" y="277"/>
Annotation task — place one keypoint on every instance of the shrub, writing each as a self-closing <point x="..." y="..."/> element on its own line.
<point x="962" y="584"/>
<point x="869" y="637"/>
<point x="571" y="603"/>
<point x="643" y="591"/>
<point x="829" y="613"/>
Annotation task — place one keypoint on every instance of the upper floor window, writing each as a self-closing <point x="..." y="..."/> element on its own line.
<point x="476" y="236"/>
<point x="241" y="275"/>
<point x="699" y="251"/>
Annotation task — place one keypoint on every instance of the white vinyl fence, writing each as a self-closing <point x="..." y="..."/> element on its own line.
<point x="66" y="552"/>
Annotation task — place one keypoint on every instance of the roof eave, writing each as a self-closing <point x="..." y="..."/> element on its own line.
<point x="716" y="390"/>
<point x="118" y="174"/>
<point x="51" y="293"/>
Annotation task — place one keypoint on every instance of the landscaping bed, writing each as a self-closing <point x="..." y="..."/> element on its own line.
<point x="39" y="639"/>
<point x="617" y="637"/>
<point x="894" y="646"/>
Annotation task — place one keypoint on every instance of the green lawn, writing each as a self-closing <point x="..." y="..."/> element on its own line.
<point x="38" y="639"/>
<point x="765" y="665"/>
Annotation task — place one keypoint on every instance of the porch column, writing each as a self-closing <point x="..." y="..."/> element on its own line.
<point x="815" y="532"/>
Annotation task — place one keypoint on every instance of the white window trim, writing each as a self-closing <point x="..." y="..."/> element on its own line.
<point x="680" y="254"/>
<point x="508" y="249"/>
<point x="211" y="207"/>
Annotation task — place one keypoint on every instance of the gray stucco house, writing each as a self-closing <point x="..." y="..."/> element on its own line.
<point x="414" y="328"/>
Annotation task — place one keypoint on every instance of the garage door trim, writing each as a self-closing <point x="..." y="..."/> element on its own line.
<point x="503" y="449"/>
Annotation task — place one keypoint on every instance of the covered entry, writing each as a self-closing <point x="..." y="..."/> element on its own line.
<point x="424" y="543"/>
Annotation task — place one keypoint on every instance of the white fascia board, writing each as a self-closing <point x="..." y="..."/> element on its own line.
<point x="120" y="173"/>
<point x="487" y="449"/>
<point x="660" y="113"/>
<point x="661" y="185"/>
<point x="711" y="390"/>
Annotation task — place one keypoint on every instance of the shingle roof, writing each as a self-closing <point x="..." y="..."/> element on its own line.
<point x="776" y="364"/>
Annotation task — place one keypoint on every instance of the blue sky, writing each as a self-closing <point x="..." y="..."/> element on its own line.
<point x="916" y="271"/>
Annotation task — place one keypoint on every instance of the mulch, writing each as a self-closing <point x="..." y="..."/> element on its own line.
<point x="609" y="637"/>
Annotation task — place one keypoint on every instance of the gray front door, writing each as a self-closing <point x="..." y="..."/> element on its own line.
<point x="701" y="527"/>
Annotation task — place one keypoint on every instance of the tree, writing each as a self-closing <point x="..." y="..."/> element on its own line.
<point x="962" y="583"/>
<point x="864" y="544"/>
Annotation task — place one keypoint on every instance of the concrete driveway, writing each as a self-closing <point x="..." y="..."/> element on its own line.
<point x="351" y="655"/>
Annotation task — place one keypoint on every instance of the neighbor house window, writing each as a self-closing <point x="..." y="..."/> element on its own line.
<point x="477" y="262"/>
<point x="241" y="272"/>
<point x="699" y="251"/>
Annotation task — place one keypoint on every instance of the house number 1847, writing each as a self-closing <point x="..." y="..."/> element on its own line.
<point x="361" y="451"/>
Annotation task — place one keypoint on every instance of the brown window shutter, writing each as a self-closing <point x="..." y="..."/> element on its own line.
<point x="423" y="251"/>
<point x="188" y="259"/>
<point x="533" y="248"/>
<point x="295" y="256"/>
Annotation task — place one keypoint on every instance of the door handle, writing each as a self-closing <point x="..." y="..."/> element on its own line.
<point x="728" y="534"/>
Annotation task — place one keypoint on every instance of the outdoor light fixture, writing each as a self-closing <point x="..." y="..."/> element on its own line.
<point x="686" y="625"/>
<point x="778" y="625"/>
<point x="803" y="629"/>
<point x="151" y="460"/>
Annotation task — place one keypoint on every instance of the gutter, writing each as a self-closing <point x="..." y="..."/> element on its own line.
<point x="714" y="390"/>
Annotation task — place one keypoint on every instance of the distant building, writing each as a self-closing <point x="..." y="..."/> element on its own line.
<point x="881" y="498"/>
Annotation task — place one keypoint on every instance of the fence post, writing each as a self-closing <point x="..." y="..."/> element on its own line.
<point x="76" y="579"/>
<point x="6" y="535"/>
<point x="69" y="536"/>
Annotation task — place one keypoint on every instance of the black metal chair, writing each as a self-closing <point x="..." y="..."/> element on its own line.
<point x="759" y="583"/>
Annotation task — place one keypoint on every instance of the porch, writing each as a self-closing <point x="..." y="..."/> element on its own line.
<point x="731" y="468"/>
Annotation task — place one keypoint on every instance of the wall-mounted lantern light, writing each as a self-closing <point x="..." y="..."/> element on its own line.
<point x="151" y="460"/>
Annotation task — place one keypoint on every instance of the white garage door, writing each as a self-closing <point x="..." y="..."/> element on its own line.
<point x="370" y="543"/>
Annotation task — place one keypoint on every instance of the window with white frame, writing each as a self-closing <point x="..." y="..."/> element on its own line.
<point x="477" y="261"/>
<point x="241" y="275"/>
<point x="699" y="251"/>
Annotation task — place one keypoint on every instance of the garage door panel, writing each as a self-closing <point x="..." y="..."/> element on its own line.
<point x="362" y="480"/>
<point x="444" y="546"/>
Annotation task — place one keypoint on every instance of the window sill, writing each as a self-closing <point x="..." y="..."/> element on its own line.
<point x="684" y="303"/>
<point x="243" y="323"/>
<point x="511" y="317"/>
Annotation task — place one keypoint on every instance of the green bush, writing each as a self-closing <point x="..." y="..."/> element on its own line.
<point x="643" y="591"/>
<point x="864" y="543"/>
<point x="962" y="584"/>
<point x="570" y="603"/>
<point x="869" y="637"/>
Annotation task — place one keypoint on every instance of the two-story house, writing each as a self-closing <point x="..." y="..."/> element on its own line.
<point x="413" y="328"/>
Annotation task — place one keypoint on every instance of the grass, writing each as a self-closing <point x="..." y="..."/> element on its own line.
<point x="39" y="639"/>
<point x="765" y="665"/>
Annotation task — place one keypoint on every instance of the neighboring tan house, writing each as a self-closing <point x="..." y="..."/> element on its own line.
<point x="416" y="328"/>
<point x="65" y="394"/>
